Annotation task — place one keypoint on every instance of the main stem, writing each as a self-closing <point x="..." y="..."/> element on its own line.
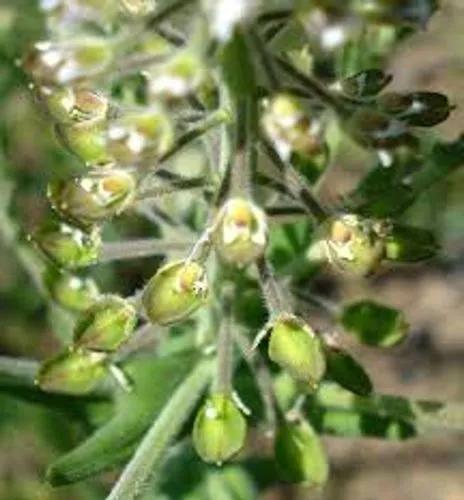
<point x="150" y="453"/>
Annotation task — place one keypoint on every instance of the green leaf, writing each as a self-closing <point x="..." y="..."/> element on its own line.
<point x="154" y="381"/>
<point x="384" y="193"/>
<point x="374" y="324"/>
<point x="237" y="66"/>
<point x="410" y="244"/>
<point x="347" y="372"/>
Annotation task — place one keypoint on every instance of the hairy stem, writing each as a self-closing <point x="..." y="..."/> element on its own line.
<point x="275" y="300"/>
<point x="223" y="381"/>
<point x="149" y="455"/>
<point x="144" y="247"/>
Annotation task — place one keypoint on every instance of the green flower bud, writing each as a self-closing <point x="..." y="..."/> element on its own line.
<point x="70" y="291"/>
<point x="300" y="455"/>
<point x="290" y="130"/>
<point x="176" y="291"/>
<point x="88" y="141"/>
<point x="366" y="83"/>
<point x="138" y="8"/>
<point x="179" y="77"/>
<point x="67" y="245"/>
<point x="93" y="198"/>
<point x="60" y="63"/>
<point x="419" y="109"/>
<point x="72" y="372"/>
<point x="352" y="244"/>
<point x="295" y="347"/>
<point x="140" y="135"/>
<point x="241" y="235"/>
<point x="219" y="430"/>
<point x="69" y="105"/>
<point x="106" y="325"/>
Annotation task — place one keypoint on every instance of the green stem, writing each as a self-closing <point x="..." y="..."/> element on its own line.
<point x="275" y="300"/>
<point x="152" y="450"/>
<point x="22" y="370"/>
<point x="224" y="367"/>
<point x="296" y="184"/>
<point x="313" y="86"/>
<point x="143" y="247"/>
<point x="165" y="13"/>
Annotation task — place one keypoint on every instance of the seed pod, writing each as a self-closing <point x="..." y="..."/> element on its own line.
<point x="419" y="109"/>
<point x="352" y="244"/>
<point x="138" y="8"/>
<point x="60" y="63"/>
<point x="87" y="141"/>
<point x="241" y="235"/>
<point x="366" y="83"/>
<point x="106" y="325"/>
<point x="140" y="135"/>
<point x="71" y="291"/>
<point x="300" y="455"/>
<point x="176" y="291"/>
<point x="72" y="372"/>
<point x="297" y="349"/>
<point x="67" y="245"/>
<point x="179" y="77"/>
<point x="69" y="105"/>
<point x="93" y="198"/>
<point x="290" y="130"/>
<point x="219" y="430"/>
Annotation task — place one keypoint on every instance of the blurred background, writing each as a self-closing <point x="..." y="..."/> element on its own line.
<point x="429" y="365"/>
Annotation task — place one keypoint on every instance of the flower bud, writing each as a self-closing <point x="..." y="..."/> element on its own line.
<point x="289" y="129"/>
<point x="241" y="235"/>
<point x="352" y="244"/>
<point x="140" y="135"/>
<point x="219" y="430"/>
<point x="69" y="105"/>
<point x="70" y="291"/>
<point x="138" y="8"/>
<point x="176" y="291"/>
<point x="67" y="245"/>
<point x="60" y="63"/>
<point x="300" y="455"/>
<point x="419" y="109"/>
<point x="106" y="325"/>
<point x="297" y="349"/>
<point x="72" y="372"/>
<point x="179" y="77"/>
<point x="93" y="198"/>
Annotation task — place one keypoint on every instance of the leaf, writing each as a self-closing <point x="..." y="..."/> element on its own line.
<point x="347" y="372"/>
<point x="367" y="415"/>
<point x="410" y="244"/>
<point x="384" y="193"/>
<point x="154" y="381"/>
<point x="374" y="324"/>
<point x="237" y="66"/>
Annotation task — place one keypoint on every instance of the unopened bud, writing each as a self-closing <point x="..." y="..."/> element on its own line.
<point x="219" y="430"/>
<point x="300" y="455"/>
<point x="179" y="77"/>
<point x="241" y="235"/>
<point x="351" y="243"/>
<point x="72" y="372"/>
<point x="93" y="198"/>
<point x="141" y="135"/>
<point x="68" y="246"/>
<point x="70" y="291"/>
<point x="106" y="325"/>
<point x="176" y="291"/>
<point x="60" y="63"/>
<point x="290" y="130"/>
<point x="297" y="349"/>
